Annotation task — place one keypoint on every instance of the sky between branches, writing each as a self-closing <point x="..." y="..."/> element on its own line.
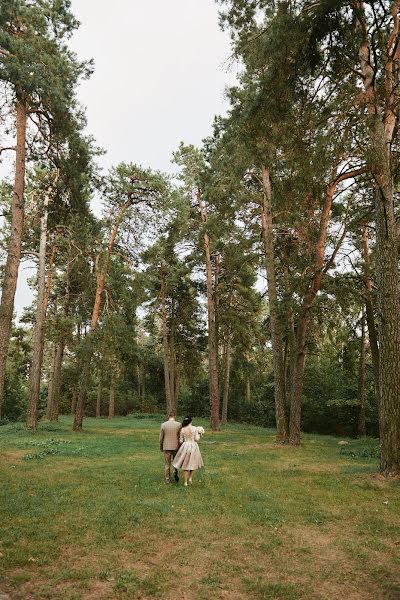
<point x="161" y="69"/>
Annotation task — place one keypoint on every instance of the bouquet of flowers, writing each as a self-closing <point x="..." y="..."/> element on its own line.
<point x="200" y="430"/>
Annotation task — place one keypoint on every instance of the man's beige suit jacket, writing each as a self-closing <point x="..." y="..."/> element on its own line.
<point x="169" y="435"/>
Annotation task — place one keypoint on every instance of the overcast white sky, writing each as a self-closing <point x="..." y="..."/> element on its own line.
<point x="160" y="76"/>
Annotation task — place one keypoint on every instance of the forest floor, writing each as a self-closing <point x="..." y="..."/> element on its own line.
<point x="88" y="516"/>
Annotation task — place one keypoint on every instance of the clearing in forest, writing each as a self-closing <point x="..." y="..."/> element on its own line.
<point x="88" y="516"/>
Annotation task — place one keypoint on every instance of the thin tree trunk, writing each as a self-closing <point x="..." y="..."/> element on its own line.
<point x="276" y="334"/>
<point x="212" y="332"/>
<point x="248" y="390"/>
<point x="111" y="405"/>
<point x="167" y="383"/>
<point x="56" y="385"/>
<point x="74" y="399"/>
<point x="369" y="310"/>
<point x="50" y="386"/>
<point x="138" y="378"/>
<point x="14" y="245"/>
<point x="98" y="401"/>
<point x="101" y="281"/>
<point x="308" y="301"/>
<point x="361" y="381"/>
<point x="172" y="359"/>
<point x="37" y="348"/>
<point x="227" y="371"/>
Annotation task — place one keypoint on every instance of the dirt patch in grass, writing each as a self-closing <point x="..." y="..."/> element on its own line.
<point x="16" y="455"/>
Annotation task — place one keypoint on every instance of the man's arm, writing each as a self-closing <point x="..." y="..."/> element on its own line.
<point x="161" y="438"/>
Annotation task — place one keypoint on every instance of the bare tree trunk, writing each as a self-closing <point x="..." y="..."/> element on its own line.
<point x="14" y="245"/>
<point x="172" y="359"/>
<point x="227" y="370"/>
<point x="165" y="342"/>
<point x="98" y="401"/>
<point x="248" y="390"/>
<point x="369" y="310"/>
<point x="74" y="399"/>
<point x="50" y="386"/>
<point x="361" y="381"/>
<point x="37" y="348"/>
<point x="56" y="384"/>
<point x="308" y="301"/>
<point x="381" y="122"/>
<point x="212" y="325"/>
<point x="101" y="281"/>
<point x="138" y="381"/>
<point x="53" y="395"/>
<point x="276" y="334"/>
<point x="111" y="405"/>
<point x="388" y="308"/>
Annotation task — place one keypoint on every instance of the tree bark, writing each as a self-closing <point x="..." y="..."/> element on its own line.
<point x="227" y="370"/>
<point x="167" y="382"/>
<point x="56" y="381"/>
<point x="172" y="359"/>
<point x="308" y="301"/>
<point x="101" y="280"/>
<point x="381" y="118"/>
<point x="37" y="347"/>
<point x="74" y="399"/>
<point x="361" y="381"/>
<point x="14" y="245"/>
<point x="98" y="401"/>
<point x="212" y="331"/>
<point x="111" y="405"/>
<point x="276" y="334"/>
<point x="369" y="312"/>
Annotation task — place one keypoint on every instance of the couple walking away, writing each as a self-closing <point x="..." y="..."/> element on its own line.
<point x="179" y="442"/>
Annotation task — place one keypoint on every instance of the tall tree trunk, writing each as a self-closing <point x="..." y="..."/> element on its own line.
<point x="53" y="395"/>
<point x="87" y="356"/>
<point x="308" y="301"/>
<point x="167" y="384"/>
<point x="381" y="122"/>
<point x="172" y="358"/>
<point x="37" y="348"/>
<point x="361" y="381"/>
<point x="369" y="311"/>
<point x="50" y="386"/>
<point x="74" y="399"/>
<point x="212" y="325"/>
<point x="387" y="278"/>
<point x="111" y="405"/>
<point x="276" y="334"/>
<point x="14" y="245"/>
<point x="56" y="381"/>
<point x="248" y="390"/>
<point x="227" y="370"/>
<point x="98" y="401"/>
<point x="138" y="381"/>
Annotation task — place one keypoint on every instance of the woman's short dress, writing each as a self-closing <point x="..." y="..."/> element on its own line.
<point x="188" y="456"/>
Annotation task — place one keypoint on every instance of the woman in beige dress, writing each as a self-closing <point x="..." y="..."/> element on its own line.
<point x="188" y="456"/>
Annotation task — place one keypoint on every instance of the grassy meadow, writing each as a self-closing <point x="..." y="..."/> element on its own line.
<point x="88" y="515"/>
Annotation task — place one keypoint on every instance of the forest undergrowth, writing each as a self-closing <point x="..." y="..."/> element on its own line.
<point x="87" y="515"/>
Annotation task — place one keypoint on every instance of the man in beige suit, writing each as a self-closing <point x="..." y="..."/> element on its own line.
<point x="169" y="444"/>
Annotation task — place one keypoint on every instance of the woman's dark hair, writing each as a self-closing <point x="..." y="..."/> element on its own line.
<point x="186" y="421"/>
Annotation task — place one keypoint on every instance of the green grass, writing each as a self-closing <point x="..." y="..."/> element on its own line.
<point x="88" y="516"/>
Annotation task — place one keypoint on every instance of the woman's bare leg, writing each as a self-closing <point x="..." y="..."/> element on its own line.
<point x="190" y="476"/>
<point x="186" y="475"/>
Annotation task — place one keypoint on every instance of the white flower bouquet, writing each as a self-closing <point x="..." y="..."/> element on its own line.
<point x="200" y="430"/>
